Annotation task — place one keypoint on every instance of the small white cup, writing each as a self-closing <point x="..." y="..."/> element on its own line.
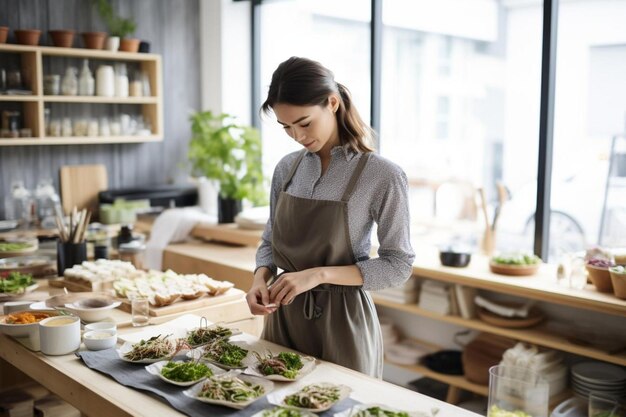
<point x="59" y="335"/>
<point x="101" y="325"/>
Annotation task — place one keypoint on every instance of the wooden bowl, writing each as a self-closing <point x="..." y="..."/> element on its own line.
<point x="535" y="316"/>
<point x="513" y="270"/>
<point x="600" y="277"/>
<point x="27" y="36"/>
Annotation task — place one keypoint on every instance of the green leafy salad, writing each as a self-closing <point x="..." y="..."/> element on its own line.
<point x="14" y="246"/>
<point x="206" y="335"/>
<point x="185" y="371"/>
<point x="231" y="389"/>
<point x="15" y="283"/>
<point x="286" y="364"/>
<point x="314" y="397"/>
<point x="379" y="412"/>
<point x="519" y="259"/>
<point x="225" y="353"/>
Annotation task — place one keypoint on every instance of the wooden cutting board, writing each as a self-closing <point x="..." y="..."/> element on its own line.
<point x="80" y="185"/>
<point x="228" y="233"/>
<point x="181" y="306"/>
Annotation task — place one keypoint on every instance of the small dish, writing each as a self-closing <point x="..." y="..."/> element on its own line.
<point x="156" y="368"/>
<point x="101" y="325"/>
<point x="36" y="265"/>
<point x="375" y="410"/>
<point x="233" y="332"/>
<point x="198" y="353"/>
<point x="263" y="385"/>
<point x="21" y="330"/>
<point x="284" y="411"/>
<point x="128" y="347"/>
<point x="18" y="246"/>
<point x="308" y="364"/>
<point x="279" y="397"/>
<point x="513" y="270"/>
<point x="100" y="339"/>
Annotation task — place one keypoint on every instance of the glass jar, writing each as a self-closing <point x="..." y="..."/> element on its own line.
<point x="133" y="252"/>
<point x="69" y="85"/>
<point x="51" y="84"/>
<point x="514" y="388"/>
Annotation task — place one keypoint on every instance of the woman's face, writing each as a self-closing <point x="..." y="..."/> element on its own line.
<point x="314" y="127"/>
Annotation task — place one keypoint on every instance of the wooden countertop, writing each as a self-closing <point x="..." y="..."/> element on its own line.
<point x="96" y="394"/>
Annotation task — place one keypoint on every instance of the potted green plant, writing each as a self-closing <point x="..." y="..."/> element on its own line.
<point x="119" y="28"/>
<point x="222" y="150"/>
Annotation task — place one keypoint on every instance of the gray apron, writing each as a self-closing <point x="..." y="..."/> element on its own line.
<point x="331" y="322"/>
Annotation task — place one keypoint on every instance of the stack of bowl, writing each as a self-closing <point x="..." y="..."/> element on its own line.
<point x="100" y="335"/>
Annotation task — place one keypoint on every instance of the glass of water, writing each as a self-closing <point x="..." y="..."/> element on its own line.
<point x="140" y="311"/>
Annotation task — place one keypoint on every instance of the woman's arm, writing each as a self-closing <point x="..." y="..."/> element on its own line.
<point x="289" y="285"/>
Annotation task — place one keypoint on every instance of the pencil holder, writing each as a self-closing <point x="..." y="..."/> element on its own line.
<point x="70" y="254"/>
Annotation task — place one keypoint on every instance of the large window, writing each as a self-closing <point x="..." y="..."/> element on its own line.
<point x="588" y="203"/>
<point x="460" y="110"/>
<point x="335" y="33"/>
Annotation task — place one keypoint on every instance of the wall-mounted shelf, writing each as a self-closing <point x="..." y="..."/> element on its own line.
<point x="151" y="108"/>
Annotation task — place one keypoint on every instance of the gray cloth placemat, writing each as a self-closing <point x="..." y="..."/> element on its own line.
<point x="135" y="376"/>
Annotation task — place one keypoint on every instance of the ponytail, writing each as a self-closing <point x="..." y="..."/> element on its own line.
<point x="304" y="82"/>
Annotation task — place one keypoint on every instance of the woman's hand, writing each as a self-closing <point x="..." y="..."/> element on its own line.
<point x="290" y="284"/>
<point x="258" y="297"/>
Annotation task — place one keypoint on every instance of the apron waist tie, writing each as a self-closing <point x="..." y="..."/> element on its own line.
<point x="313" y="311"/>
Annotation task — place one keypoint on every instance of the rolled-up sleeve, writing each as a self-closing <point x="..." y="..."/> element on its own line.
<point x="264" y="252"/>
<point x="393" y="266"/>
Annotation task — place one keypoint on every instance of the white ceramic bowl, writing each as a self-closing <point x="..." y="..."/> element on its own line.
<point x="101" y="325"/>
<point x="92" y="309"/>
<point x="23" y="330"/>
<point x="100" y="339"/>
<point x="59" y="335"/>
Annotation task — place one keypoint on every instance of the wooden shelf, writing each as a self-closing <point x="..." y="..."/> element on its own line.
<point x="537" y="335"/>
<point x="151" y="108"/>
<point x="80" y="52"/>
<point x="19" y="98"/>
<point x="541" y="286"/>
<point x="100" y="100"/>
<point x="78" y="140"/>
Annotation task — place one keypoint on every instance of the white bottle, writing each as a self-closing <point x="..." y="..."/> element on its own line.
<point x="69" y="85"/>
<point x="105" y="81"/>
<point x="86" y="83"/>
<point x="121" y="81"/>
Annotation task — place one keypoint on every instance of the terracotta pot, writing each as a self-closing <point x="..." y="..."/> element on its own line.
<point x="62" y="38"/>
<point x="28" y="36"/>
<point x="619" y="284"/>
<point x="94" y="40"/>
<point x="129" y="45"/>
<point x="4" y="32"/>
<point x="600" y="277"/>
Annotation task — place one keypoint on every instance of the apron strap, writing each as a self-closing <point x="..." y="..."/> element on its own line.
<point x="355" y="176"/>
<point x="294" y="167"/>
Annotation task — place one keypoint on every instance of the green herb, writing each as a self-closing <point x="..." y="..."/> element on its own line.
<point x="154" y="348"/>
<point x="221" y="351"/>
<point x="13" y="246"/>
<point x="286" y="364"/>
<point x="230" y="388"/>
<point x="117" y="25"/>
<point x="517" y="259"/>
<point x="314" y="397"/>
<point x="282" y="412"/>
<point x="185" y="371"/>
<point x="206" y="335"/>
<point x="15" y="283"/>
<point x="380" y="412"/>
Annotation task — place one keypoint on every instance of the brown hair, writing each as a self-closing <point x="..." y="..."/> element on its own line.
<point x="304" y="82"/>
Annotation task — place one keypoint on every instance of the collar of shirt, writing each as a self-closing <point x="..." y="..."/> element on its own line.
<point x="347" y="151"/>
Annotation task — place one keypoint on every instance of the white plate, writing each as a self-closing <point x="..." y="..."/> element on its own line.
<point x="268" y="386"/>
<point x="236" y="332"/>
<point x="599" y="373"/>
<point x="278" y="397"/>
<point x="127" y="347"/>
<point x="26" y="290"/>
<point x="308" y="364"/>
<point x="277" y="409"/>
<point x="359" y="407"/>
<point x="6" y="225"/>
<point x="593" y="385"/>
<point x="197" y="353"/>
<point x="155" y="369"/>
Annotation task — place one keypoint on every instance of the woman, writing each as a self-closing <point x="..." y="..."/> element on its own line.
<point x="324" y="202"/>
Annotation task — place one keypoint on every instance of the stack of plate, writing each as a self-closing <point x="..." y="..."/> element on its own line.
<point x="598" y="377"/>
